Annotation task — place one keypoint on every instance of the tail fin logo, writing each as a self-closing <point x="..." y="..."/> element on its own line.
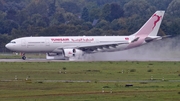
<point x="158" y="19"/>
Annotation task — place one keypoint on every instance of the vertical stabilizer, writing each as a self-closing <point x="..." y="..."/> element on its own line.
<point x="151" y="27"/>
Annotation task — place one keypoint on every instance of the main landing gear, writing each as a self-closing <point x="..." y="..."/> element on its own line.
<point x="23" y="56"/>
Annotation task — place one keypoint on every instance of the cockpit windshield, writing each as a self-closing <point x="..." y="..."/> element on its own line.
<point x="12" y="42"/>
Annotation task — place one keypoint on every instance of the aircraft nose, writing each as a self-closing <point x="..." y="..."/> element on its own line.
<point x="7" y="46"/>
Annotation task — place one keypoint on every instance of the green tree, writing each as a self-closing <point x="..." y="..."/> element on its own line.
<point x="39" y="21"/>
<point x="16" y="33"/>
<point x="115" y="25"/>
<point x="58" y="18"/>
<point x="70" y="7"/>
<point x="1" y="5"/>
<point x="112" y="11"/>
<point x="52" y="8"/>
<point x="38" y="7"/>
<point x="50" y="31"/>
<point x="106" y="11"/>
<point x="173" y="8"/>
<point x="21" y="16"/>
<point x="69" y="17"/>
<point x="103" y="24"/>
<point x="75" y="22"/>
<point x="2" y="16"/>
<point x="11" y="14"/>
<point x="94" y="14"/>
<point x="116" y="11"/>
<point x="102" y="2"/>
<point x="160" y="4"/>
<point x="174" y="27"/>
<point x="138" y="7"/>
<point x="17" y="1"/>
<point x="95" y="32"/>
<point x="33" y="31"/>
<point x="85" y="14"/>
<point x="4" y="39"/>
<point x="87" y="26"/>
<point x="8" y="25"/>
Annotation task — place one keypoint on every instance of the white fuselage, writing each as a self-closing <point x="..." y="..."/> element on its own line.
<point x="49" y="44"/>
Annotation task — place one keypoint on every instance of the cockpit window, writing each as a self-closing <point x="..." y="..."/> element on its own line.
<point x="12" y="42"/>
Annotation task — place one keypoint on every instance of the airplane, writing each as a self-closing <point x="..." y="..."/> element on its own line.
<point x="74" y="47"/>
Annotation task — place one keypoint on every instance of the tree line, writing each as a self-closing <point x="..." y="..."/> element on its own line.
<point x="19" y="18"/>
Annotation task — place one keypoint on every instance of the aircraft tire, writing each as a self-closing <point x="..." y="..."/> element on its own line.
<point x="24" y="57"/>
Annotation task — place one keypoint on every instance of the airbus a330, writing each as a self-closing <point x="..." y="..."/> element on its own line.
<point x="68" y="47"/>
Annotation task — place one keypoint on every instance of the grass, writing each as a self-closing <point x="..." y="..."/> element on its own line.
<point x="99" y="81"/>
<point x="18" y="56"/>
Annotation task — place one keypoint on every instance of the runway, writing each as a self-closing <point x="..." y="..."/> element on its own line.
<point x="28" y="60"/>
<point x="45" y="60"/>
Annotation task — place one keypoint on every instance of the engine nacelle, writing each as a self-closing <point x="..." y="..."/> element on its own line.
<point x="65" y="54"/>
<point x="55" y="56"/>
<point x="73" y="53"/>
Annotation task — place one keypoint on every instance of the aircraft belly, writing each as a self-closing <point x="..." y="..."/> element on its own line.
<point x="36" y="49"/>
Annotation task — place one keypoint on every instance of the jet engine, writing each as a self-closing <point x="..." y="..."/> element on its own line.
<point x="65" y="54"/>
<point x="73" y="53"/>
<point x="55" y="56"/>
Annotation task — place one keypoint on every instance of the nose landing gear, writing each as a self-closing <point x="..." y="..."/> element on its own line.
<point x="23" y="56"/>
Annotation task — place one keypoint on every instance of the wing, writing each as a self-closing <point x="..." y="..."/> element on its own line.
<point x="89" y="47"/>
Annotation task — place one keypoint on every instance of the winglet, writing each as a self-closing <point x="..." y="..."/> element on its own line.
<point x="151" y="27"/>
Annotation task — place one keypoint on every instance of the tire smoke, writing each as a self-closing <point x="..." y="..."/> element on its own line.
<point x="162" y="50"/>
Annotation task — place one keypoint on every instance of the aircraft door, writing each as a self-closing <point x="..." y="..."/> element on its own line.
<point x="47" y="42"/>
<point x="97" y="41"/>
<point x="23" y="43"/>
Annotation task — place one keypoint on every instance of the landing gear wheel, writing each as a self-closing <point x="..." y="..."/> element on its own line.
<point x="24" y="57"/>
